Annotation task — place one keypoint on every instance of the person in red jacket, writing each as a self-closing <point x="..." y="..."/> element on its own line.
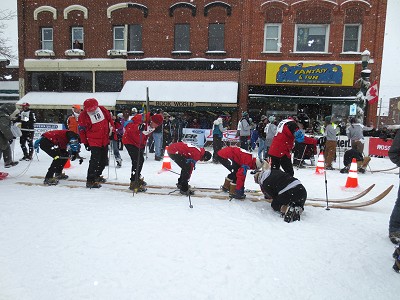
<point x="186" y="156"/>
<point x="137" y="131"/>
<point x="237" y="161"/>
<point x="60" y="145"/>
<point x="95" y="125"/>
<point x="287" y="132"/>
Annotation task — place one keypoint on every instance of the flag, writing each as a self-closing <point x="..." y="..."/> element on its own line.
<point x="372" y="93"/>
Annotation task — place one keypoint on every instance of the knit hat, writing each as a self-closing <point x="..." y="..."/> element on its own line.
<point x="263" y="117"/>
<point x="77" y="106"/>
<point x="245" y="114"/>
<point x="90" y="104"/>
<point x="157" y="118"/>
<point x="271" y="119"/>
<point x="328" y="119"/>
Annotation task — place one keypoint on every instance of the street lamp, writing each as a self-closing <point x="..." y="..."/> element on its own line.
<point x="364" y="85"/>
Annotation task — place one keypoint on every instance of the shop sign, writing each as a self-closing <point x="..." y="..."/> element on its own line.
<point x="299" y="73"/>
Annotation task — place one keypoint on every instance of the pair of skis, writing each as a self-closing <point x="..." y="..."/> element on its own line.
<point x="254" y="196"/>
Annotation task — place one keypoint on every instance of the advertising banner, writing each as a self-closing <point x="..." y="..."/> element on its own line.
<point x="194" y="136"/>
<point x="41" y="128"/>
<point x="379" y="147"/>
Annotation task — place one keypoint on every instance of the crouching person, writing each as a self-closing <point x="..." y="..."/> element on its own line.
<point x="60" y="145"/>
<point x="186" y="156"/>
<point x="362" y="162"/>
<point x="287" y="193"/>
<point x="237" y="161"/>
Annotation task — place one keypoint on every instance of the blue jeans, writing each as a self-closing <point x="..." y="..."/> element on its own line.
<point x="394" y="221"/>
<point x="115" y="149"/>
<point x="261" y="149"/>
<point x="157" y="136"/>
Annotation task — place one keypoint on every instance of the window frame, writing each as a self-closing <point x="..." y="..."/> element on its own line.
<point x="123" y="37"/>
<point x="209" y="50"/>
<point x="278" y="38"/>
<point x="301" y="26"/>
<point x="73" y="38"/>
<point x="43" y="41"/>
<point x="358" y="37"/>
<point x="185" y="38"/>
<point x="128" y="38"/>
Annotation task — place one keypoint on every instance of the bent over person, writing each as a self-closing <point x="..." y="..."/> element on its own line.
<point x="95" y="124"/>
<point x="60" y="145"/>
<point x="186" y="156"/>
<point x="237" y="161"/>
<point x="287" y="193"/>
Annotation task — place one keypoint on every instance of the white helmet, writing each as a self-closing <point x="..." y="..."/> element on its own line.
<point x="134" y="110"/>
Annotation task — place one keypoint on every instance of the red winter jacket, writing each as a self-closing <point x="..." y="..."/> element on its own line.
<point x="187" y="150"/>
<point x="243" y="158"/>
<point x="94" y="129"/>
<point x="133" y="136"/>
<point x="60" y="138"/>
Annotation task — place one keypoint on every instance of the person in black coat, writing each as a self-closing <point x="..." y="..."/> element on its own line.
<point x="27" y="119"/>
<point x="287" y="193"/>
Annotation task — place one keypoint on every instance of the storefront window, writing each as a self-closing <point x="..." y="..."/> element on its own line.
<point x="108" y="81"/>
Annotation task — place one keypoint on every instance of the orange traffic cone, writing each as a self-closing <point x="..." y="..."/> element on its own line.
<point x="320" y="164"/>
<point x="166" y="164"/>
<point x="67" y="164"/>
<point x="352" y="178"/>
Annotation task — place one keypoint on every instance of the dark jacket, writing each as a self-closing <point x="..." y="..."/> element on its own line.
<point x="394" y="151"/>
<point x="5" y="124"/>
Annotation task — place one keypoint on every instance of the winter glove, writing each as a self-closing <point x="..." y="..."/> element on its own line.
<point x="36" y="145"/>
<point x="10" y="141"/>
<point x="299" y="136"/>
<point x="87" y="147"/>
<point x="141" y="127"/>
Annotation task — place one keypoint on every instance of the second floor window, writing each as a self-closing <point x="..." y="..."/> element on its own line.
<point x="312" y="38"/>
<point x="77" y="37"/>
<point x="135" y="37"/>
<point x="119" y="38"/>
<point x="272" y="38"/>
<point x="216" y="37"/>
<point x="47" y="39"/>
<point x="351" y="39"/>
<point x="182" y="37"/>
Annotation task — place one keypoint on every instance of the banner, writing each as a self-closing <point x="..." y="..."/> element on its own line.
<point x="379" y="147"/>
<point x="41" y="128"/>
<point x="227" y="136"/>
<point x="194" y="136"/>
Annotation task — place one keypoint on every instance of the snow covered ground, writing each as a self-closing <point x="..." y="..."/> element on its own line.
<point x="63" y="243"/>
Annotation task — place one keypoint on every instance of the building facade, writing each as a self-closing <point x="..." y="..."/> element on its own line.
<point x="265" y="57"/>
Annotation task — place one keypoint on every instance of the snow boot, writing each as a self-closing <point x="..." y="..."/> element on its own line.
<point x="119" y="162"/>
<point x="61" y="176"/>
<point x="235" y="193"/>
<point x="93" y="185"/>
<point x="395" y="237"/>
<point x="11" y="164"/>
<point x="396" y="256"/>
<point x="142" y="182"/>
<point x="137" y="187"/>
<point x="187" y="192"/>
<point x="101" y="179"/>
<point x="50" y="181"/>
<point x="225" y="188"/>
<point x="291" y="212"/>
<point x="345" y="170"/>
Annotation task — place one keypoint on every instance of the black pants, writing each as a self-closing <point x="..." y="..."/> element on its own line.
<point x="232" y="166"/>
<point x="284" y="162"/>
<point x="244" y="142"/>
<point x="297" y="194"/>
<point x="137" y="158"/>
<point x="60" y="157"/>
<point x="98" y="162"/>
<point x="186" y="170"/>
<point x="26" y="137"/>
<point x="217" y="145"/>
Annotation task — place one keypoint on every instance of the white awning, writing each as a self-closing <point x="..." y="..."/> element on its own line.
<point x="204" y="92"/>
<point x="53" y="100"/>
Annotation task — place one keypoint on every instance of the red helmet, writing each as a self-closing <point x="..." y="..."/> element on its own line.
<point x="90" y="104"/>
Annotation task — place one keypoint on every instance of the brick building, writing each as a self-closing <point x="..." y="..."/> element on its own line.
<point x="217" y="56"/>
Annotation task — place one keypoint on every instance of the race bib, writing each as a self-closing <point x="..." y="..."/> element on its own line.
<point x="25" y="116"/>
<point x="279" y="129"/>
<point x="96" y="116"/>
<point x="148" y="130"/>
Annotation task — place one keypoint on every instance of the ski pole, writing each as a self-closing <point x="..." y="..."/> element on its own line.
<point x="190" y="201"/>
<point x="326" y="188"/>
<point x="302" y="156"/>
<point x="173" y="172"/>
